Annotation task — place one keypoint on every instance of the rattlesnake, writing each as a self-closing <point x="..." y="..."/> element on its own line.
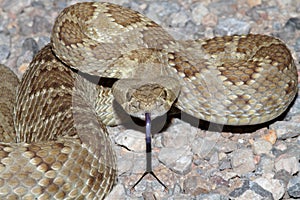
<point x="62" y="149"/>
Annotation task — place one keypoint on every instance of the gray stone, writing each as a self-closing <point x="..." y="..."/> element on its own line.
<point x="261" y="191"/>
<point x="3" y="24"/>
<point x="118" y="192"/>
<point x="159" y="11"/>
<point x="198" y="11"/>
<point x="25" y="58"/>
<point x="196" y="185"/>
<point x="297" y="44"/>
<point x="249" y="194"/>
<point x="43" y="40"/>
<point x="274" y="186"/>
<point x="265" y="165"/>
<point x="240" y="190"/>
<point x="177" y="159"/>
<point x="30" y="44"/>
<point x="283" y="175"/>
<point x="211" y="197"/>
<point x="285" y="129"/>
<point x="250" y="190"/>
<point x="15" y="6"/>
<point x="242" y="161"/>
<point x="4" y="52"/>
<point x="225" y="145"/>
<point x="214" y="159"/>
<point x="224" y="164"/>
<point x="232" y="26"/>
<point x="205" y="148"/>
<point x="287" y="163"/>
<point x="178" y="19"/>
<point x="277" y="25"/>
<point x="41" y="24"/>
<point x="226" y="175"/>
<point x="178" y="127"/>
<point x="4" y="39"/>
<point x="295" y="21"/>
<point x="132" y="140"/>
<point x="223" y="7"/>
<point x="173" y="137"/>
<point x="255" y="12"/>
<point x="293" y="187"/>
<point x="261" y="146"/>
<point x="293" y="150"/>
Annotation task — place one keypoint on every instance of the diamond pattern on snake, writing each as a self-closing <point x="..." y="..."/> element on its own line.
<point x="54" y="142"/>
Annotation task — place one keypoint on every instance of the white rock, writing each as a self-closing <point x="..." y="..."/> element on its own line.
<point x="199" y="10"/>
<point x="275" y="186"/>
<point x="288" y="163"/>
<point x="132" y="140"/>
<point x="242" y="161"/>
<point x="177" y="159"/>
<point x="261" y="146"/>
<point x="118" y="192"/>
<point x="249" y="194"/>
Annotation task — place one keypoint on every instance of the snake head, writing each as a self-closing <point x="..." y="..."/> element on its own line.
<point x="138" y="97"/>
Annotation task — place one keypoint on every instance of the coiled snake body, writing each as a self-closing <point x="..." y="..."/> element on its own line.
<point x="54" y="144"/>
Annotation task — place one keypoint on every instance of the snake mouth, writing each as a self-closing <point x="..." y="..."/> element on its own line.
<point x="138" y="97"/>
<point x="149" y="98"/>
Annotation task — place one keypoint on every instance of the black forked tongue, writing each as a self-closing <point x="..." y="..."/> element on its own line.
<point x="148" y="153"/>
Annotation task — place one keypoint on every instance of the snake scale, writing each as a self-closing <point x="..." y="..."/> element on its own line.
<point x="54" y="142"/>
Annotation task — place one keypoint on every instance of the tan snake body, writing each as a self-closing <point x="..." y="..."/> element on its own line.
<point x="54" y="144"/>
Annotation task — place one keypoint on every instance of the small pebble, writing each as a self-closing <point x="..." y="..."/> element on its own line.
<point x="40" y="24"/>
<point x="225" y="164"/>
<point x="179" y="19"/>
<point x="261" y="146"/>
<point x="270" y="136"/>
<point x="211" y="197"/>
<point x="285" y="129"/>
<point x="4" y="52"/>
<point x="196" y="185"/>
<point x="204" y="148"/>
<point x="179" y="160"/>
<point x="283" y="175"/>
<point x="297" y="44"/>
<point x="232" y="26"/>
<point x="260" y="191"/>
<point x="198" y="12"/>
<point x="276" y="187"/>
<point x="265" y="165"/>
<point x="30" y="45"/>
<point x="287" y="163"/>
<point x="242" y="161"/>
<point x="118" y="192"/>
<point x="132" y="140"/>
<point x="294" y="187"/>
<point x="4" y="39"/>
<point x="294" y="21"/>
<point x="15" y="6"/>
<point x="226" y="145"/>
<point x="223" y="8"/>
<point x="253" y="2"/>
<point x="210" y="20"/>
<point x="43" y="41"/>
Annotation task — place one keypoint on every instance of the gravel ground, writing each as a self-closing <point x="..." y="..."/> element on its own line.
<point x="213" y="162"/>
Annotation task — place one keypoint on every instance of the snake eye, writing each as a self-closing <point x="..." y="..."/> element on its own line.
<point x="128" y="96"/>
<point x="164" y="94"/>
